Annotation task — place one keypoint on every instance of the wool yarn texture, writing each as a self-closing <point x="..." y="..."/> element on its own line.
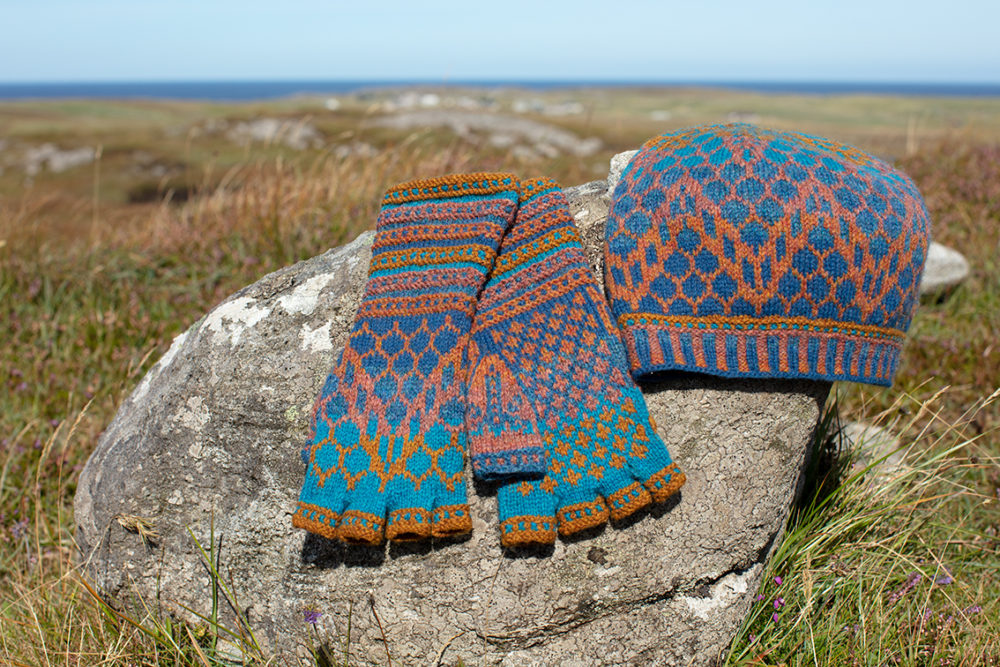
<point x="537" y="386"/>
<point x="386" y="454"/>
<point x="739" y="251"/>
<point x="545" y="350"/>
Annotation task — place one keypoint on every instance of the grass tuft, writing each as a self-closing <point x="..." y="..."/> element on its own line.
<point x="877" y="570"/>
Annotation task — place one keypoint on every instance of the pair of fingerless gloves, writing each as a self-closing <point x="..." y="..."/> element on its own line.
<point x="481" y="327"/>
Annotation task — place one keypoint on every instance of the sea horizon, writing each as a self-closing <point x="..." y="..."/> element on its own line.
<point x="249" y="90"/>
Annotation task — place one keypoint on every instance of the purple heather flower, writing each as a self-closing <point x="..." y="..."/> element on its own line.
<point x="974" y="609"/>
<point x="911" y="581"/>
<point x="774" y="617"/>
<point x="779" y="603"/>
<point x="778" y="580"/>
<point x="944" y="581"/>
<point x="760" y="596"/>
<point x="19" y="529"/>
<point x="53" y="423"/>
<point x="753" y="638"/>
<point x="311" y="616"/>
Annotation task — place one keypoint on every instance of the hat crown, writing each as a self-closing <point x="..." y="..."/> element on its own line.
<point x="725" y="226"/>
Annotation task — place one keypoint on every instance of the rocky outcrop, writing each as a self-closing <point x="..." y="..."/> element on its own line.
<point x="208" y="445"/>
<point x="54" y="159"/>
<point x="298" y="134"/>
<point x="526" y="137"/>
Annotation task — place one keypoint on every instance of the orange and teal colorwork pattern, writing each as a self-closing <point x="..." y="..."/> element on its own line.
<point x="545" y="356"/>
<point x="386" y="453"/>
<point x="744" y="252"/>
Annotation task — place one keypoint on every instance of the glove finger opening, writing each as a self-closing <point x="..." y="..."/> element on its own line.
<point x="628" y="500"/>
<point x="451" y="520"/>
<point x="665" y="483"/>
<point x="527" y="513"/>
<point x="582" y="516"/>
<point x="316" y="519"/>
<point x="361" y="528"/>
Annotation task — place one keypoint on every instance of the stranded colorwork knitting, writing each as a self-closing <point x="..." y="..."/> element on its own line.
<point x="545" y="352"/>
<point x="744" y="252"/>
<point x="386" y="453"/>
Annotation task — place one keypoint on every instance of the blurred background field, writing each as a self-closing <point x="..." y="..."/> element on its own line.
<point x="122" y="222"/>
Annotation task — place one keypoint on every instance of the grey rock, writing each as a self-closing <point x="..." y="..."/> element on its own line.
<point x="538" y="105"/>
<point x="618" y="164"/>
<point x="355" y="149"/>
<point x="589" y="206"/>
<point x="409" y="100"/>
<point x="296" y="134"/>
<point x="412" y="99"/>
<point x="213" y="433"/>
<point x="944" y="270"/>
<point x="742" y="117"/>
<point x="55" y="159"/>
<point x="499" y="129"/>
<point x="525" y="154"/>
<point x="873" y="446"/>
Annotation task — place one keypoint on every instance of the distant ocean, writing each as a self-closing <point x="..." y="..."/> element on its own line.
<point x="259" y="90"/>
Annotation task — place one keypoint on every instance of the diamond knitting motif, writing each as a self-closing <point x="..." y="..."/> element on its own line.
<point x="543" y="339"/>
<point x="747" y="252"/>
<point x="386" y="453"/>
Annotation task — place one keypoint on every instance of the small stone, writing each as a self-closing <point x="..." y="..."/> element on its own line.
<point x="597" y="555"/>
<point x="944" y="270"/>
<point x="872" y="444"/>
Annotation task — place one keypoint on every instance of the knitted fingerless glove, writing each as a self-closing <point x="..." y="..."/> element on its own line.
<point x="386" y="452"/>
<point x="543" y="322"/>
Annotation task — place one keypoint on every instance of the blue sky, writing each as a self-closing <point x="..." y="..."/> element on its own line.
<point x="790" y="40"/>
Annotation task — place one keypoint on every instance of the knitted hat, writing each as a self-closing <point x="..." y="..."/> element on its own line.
<point x="744" y="252"/>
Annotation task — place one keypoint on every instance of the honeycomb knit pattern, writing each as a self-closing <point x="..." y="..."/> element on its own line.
<point x="745" y="252"/>
<point x="386" y="453"/>
<point x="546" y="358"/>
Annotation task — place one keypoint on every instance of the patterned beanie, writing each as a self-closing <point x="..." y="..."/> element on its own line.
<point x="738" y="251"/>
